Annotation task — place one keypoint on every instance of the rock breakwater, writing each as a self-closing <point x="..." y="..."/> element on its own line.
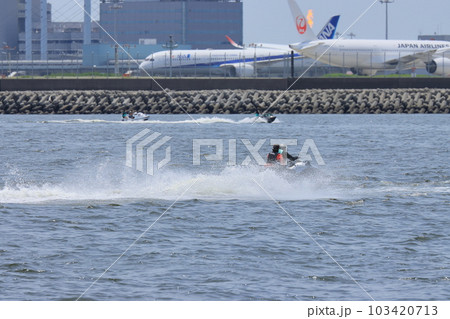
<point x="313" y="101"/>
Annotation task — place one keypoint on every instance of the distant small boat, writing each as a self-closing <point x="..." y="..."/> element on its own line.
<point x="138" y="116"/>
<point x="267" y="117"/>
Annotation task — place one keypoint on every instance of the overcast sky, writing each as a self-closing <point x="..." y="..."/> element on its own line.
<point x="270" y="20"/>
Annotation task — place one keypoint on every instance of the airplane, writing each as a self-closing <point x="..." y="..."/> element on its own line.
<point x="242" y="61"/>
<point x="367" y="57"/>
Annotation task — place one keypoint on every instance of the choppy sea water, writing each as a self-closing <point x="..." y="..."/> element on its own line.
<point x="373" y="222"/>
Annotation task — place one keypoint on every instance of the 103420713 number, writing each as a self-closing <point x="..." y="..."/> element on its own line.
<point x="403" y="310"/>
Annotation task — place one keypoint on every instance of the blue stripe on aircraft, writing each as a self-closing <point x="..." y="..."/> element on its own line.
<point x="218" y="63"/>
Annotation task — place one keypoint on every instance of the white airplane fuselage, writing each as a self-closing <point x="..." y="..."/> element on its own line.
<point x="243" y="61"/>
<point x="370" y="56"/>
<point x="367" y="54"/>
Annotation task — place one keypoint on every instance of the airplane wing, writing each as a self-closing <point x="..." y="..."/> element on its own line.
<point x="258" y="61"/>
<point x="303" y="46"/>
<point x="442" y="51"/>
<point x="424" y="56"/>
<point x="272" y="60"/>
<point x="279" y="47"/>
<point x="233" y="65"/>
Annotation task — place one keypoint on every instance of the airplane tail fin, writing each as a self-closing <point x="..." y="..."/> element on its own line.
<point x="329" y="30"/>
<point x="233" y="43"/>
<point x="303" y="29"/>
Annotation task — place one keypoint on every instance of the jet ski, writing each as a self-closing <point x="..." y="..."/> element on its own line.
<point x="269" y="118"/>
<point x="138" y="116"/>
<point x="287" y="164"/>
<point x="297" y="166"/>
<point x="301" y="167"/>
<point x="294" y="172"/>
<point x="266" y="117"/>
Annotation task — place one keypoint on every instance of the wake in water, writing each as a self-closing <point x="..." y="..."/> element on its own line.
<point x="118" y="183"/>
<point x="202" y="120"/>
<point x="109" y="181"/>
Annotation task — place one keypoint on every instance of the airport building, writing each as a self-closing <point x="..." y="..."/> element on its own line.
<point x="200" y="24"/>
<point x="64" y="41"/>
<point x="45" y="39"/>
<point x="28" y="34"/>
<point x="436" y="37"/>
<point x="8" y="27"/>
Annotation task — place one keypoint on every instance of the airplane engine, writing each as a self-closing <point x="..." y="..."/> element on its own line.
<point x="439" y="66"/>
<point x="364" y="72"/>
<point x="245" y="70"/>
<point x="240" y="69"/>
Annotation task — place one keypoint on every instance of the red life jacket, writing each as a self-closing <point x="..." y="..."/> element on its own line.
<point x="280" y="159"/>
<point x="275" y="158"/>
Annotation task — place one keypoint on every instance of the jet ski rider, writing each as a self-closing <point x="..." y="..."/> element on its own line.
<point x="279" y="155"/>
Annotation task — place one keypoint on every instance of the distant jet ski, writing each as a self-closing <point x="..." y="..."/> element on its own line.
<point x="138" y="116"/>
<point x="266" y="117"/>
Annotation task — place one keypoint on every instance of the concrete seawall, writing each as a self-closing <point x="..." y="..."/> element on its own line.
<point x="227" y="101"/>
<point x="189" y="84"/>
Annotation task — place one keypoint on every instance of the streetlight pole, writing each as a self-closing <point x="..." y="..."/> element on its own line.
<point x="2" y="64"/>
<point x="8" y="49"/>
<point x="387" y="2"/>
<point x="116" y="7"/>
<point x="170" y="45"/>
